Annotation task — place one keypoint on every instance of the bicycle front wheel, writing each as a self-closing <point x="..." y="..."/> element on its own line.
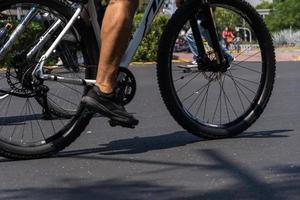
<point x="206" y="101"/>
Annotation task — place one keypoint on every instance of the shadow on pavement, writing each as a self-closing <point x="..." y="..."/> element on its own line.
<point x="241" y="183"/>
<point x="266" y="134"/>
<point x="138" y="145"/>
<point x="141" y="144"/>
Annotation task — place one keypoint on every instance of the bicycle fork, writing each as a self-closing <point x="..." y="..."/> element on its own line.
<point x="209" y="24"/>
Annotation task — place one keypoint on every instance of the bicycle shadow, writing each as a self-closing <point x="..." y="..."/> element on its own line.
<point x="265" y="134"/>
<point x="139" y="145"/>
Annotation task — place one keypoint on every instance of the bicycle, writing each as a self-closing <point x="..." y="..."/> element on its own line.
<point x="218" y="99"/>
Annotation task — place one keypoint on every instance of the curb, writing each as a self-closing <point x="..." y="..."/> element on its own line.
<point x="142" y="63"/>
<point x="153" y="63"/>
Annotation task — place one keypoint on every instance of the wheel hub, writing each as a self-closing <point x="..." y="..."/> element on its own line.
<point x="209" y="64"/>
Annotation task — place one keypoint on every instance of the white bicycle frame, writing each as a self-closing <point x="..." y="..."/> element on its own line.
<point x="151" y="11"/>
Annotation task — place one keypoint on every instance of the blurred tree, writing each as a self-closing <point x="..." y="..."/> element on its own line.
<point x="147" y="50"/>
<point x="265" y="5"/>
<point x="225" y="17"/>
<point x="278" y="1"/>
<point x="286" y="14"/>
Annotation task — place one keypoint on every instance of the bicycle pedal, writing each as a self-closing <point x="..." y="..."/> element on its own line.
<point x="87" y="108"/>
<point x="47" y="116"/>
<point x="114" y="123"/>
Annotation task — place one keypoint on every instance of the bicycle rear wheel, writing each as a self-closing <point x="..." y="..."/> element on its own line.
<point x="66" y="60"/>
<point x="25" y="131"/>
<point x="205" y="100"/>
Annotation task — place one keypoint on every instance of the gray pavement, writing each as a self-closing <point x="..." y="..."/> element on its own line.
<point x="159" y="160"/>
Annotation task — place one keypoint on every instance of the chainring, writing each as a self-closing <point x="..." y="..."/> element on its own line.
<point x="126" y="86"/>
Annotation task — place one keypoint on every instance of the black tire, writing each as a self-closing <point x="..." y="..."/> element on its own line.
<point x="64" y="131"/>
<point x="175" y="103"/>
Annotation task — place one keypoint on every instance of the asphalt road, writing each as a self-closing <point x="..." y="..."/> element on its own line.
<point x="159" y="160"/>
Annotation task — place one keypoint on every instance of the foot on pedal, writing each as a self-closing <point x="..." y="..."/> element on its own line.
<point x="108" y="106"/>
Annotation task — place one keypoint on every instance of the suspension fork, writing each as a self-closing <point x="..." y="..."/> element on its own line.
<point x="209" y="24"/>
<point x="198" y="39"/>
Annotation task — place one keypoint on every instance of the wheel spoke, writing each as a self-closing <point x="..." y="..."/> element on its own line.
<point x="247" y="68"/>
<point x="64" y="99"/>
<point x="203" y="99"/>
<point x="195" y="92"/>
<point x="197" y="74"/>
<point x="248" y="58"/>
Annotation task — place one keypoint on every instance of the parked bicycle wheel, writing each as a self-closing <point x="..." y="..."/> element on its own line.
<point x="212" y="101"/>
<point x="26" y="131"/>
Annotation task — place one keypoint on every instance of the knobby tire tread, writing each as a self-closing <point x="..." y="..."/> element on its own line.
<point x="163" y="74"/>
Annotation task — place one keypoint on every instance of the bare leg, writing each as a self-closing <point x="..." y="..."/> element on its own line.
<point x="116" y="28"/>
<point x="115" y="33"/>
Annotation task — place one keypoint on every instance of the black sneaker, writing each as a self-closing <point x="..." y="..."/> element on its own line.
<point x="106" y="105"/>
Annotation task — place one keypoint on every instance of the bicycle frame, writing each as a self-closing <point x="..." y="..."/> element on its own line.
<point x="150" y="12"/>
<point x="21" y="27"/>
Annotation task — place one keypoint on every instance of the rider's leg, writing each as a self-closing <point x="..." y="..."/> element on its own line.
<point x="192" y="44"/>
<point x="115" y="32"/>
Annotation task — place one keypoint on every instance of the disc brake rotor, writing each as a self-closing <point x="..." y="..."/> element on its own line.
<point x="19" y="76"/>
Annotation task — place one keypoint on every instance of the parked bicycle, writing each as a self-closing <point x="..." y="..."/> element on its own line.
<point x="218" y="99"/>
